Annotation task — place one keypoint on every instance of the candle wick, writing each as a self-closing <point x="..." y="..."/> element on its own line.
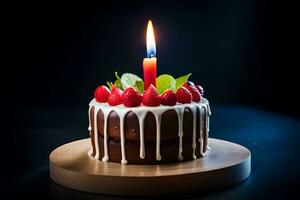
<point x="150" y="54"/>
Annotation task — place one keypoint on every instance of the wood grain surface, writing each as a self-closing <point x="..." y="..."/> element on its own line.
<point x="226" y="164"/>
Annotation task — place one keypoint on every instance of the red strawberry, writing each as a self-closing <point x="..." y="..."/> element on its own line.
<point x="115" y="98"/>
<point x="200" y="89"/>
<point x="114" y="88"/>
<point x="183" y="95"/>
<point x="168" y="98"/>
<point x="151" y="97"/>
<point x="101" y="94"/>
<point x="131" y="97"/>
<point x="195" y="93"/>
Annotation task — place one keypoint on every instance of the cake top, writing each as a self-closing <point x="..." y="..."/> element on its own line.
<point x="128" y="89"/>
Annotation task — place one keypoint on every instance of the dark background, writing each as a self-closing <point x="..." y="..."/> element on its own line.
<point x="235" y="49"/>
<point x="239" y="51"/>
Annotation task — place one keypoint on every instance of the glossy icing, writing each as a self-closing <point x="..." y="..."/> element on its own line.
<point x="141" y="112"/>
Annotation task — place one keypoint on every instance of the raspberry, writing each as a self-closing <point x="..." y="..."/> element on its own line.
<point x="200" y="89"/>
<point x="195" y="93"/>
<point x="115" y="98"/>
<point x="168" y="98"/>
<point x="151" y="97"/>
<point x="131" y="98"/>
<point x="183" y="95"/>
<point x="101" y="94"/>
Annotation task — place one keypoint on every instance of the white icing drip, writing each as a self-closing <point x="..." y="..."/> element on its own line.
<point x="122" y="115"/>
<point x="141" y="116"/>
<point x="158" y="120"/>
<point x="90" y="129"/>
<point x="106" y="113"/>
<point x="208" y="114"/>
<point x="205" y="127"/>
<point x="96" y="109"/>
<point x="180" y="112"/>
<point x="141" y="113"/>
<point x="193" y="108"/>
<point x="201" y="128"/>
<point x="206" y="121"/>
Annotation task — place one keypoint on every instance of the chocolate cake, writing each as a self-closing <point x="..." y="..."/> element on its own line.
<point x="149" y="135"/>
<point x="158" y="119"/>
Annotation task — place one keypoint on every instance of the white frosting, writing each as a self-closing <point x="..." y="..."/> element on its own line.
<point x="141" y="112"/>
<point x="122" y="113"/>
<point x="105" y="117"/>
<point x="90" y="129"/>
<point x="180" y="110"/>
<point x="141" y="116"/>
<point x="193" y="109"/>
<point x="96" y="109"/>
<point x="201" y="129"/>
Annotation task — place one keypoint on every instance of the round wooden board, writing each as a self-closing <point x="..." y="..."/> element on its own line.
<point x="226" y="164"/>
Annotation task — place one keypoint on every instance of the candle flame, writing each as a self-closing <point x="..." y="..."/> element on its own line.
<point x="150" y="41"/>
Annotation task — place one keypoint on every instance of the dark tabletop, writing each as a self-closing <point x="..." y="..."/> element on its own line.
<point x="272" y="138"/>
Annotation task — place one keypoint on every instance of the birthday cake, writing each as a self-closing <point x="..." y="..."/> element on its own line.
<point x="155" y="120"/>
<point x="163" y="124"/>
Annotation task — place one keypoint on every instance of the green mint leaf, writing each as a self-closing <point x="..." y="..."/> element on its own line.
<point x="140" y="86"/>
<point x="181" y="80"/>
<point x="129" y="79"/>
<point x="164" y="82"/>
<point x="118" y="83"/>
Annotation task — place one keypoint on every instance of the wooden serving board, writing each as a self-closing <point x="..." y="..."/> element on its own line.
<point x="226" y="164"/>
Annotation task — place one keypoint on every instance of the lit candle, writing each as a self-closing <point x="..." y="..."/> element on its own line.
<point x="149" y="63"/>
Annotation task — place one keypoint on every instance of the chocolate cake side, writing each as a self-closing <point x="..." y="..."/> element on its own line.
<point x="169" y="139"/>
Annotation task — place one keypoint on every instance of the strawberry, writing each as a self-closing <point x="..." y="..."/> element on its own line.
<point x="101" y="94"/>
<point x="168" y="98"/>
<point x="131" y="98"/>
<point x="200" y="89"/>
<point x="115" y="98"/>
<point x="183" y="95"/>
<point x="151" y="97"/>
<point x="195" y="93"/>
<point x="114" y="88"/>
